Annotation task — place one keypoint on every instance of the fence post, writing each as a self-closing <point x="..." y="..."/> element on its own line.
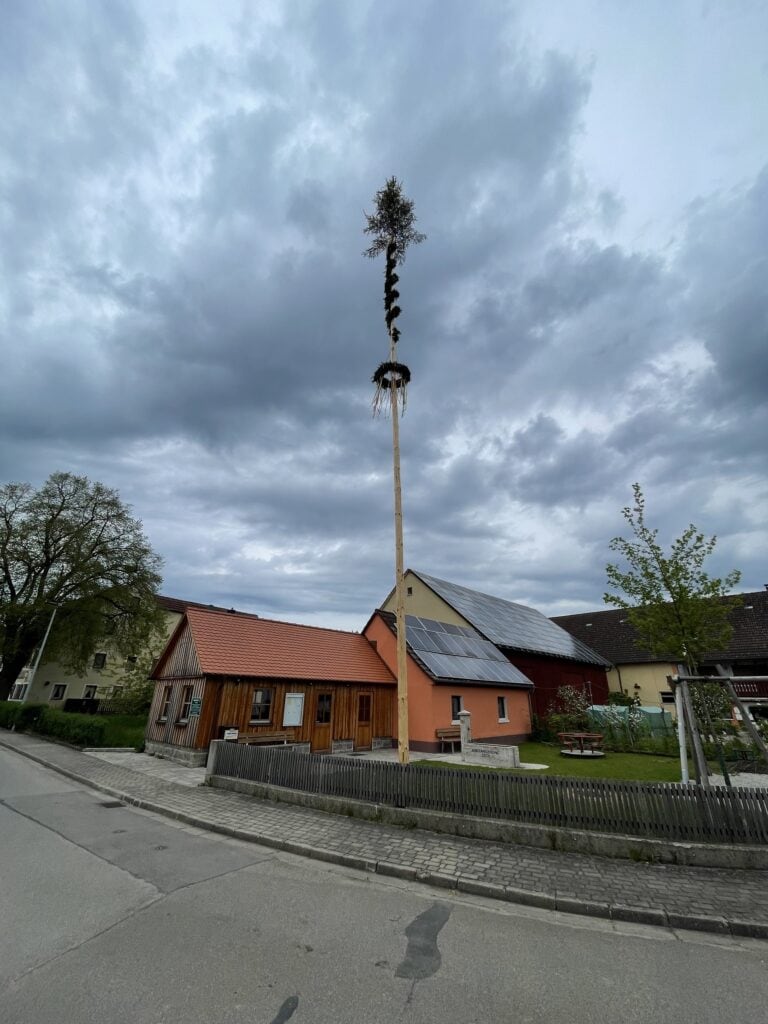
<point x="210" y="765"/>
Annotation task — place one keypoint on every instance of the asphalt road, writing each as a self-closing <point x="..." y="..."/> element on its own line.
<point x="109" y="914"/>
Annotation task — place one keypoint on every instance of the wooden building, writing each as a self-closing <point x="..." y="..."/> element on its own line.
<point x="267" y="681"/>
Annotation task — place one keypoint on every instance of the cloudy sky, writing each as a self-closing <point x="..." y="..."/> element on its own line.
<point x="186" y="315"/>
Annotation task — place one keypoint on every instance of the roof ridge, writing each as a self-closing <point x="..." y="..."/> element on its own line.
<point x="279" y="622"/>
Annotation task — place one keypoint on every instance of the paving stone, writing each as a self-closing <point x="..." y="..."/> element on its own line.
<point x="711" y="899"/>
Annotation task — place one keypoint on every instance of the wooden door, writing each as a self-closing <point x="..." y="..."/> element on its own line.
<point x="364" y="717"/>
<point x="321" y="728"/>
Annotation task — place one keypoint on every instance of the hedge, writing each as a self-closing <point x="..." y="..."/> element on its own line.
<point x="79" y="730"/>
<point x="8" y="714"/>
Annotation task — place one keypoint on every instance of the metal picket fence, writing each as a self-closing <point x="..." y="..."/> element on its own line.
<point x="654" y="810"/>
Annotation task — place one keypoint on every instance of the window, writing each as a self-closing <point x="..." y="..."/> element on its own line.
<point x="58" y="691"/>
<point x="502" y="704"/>
<point x="186" y="702"/>
<point x="409" y="591"/>
<point x="261" y="707"/>
<point x="456" y="707"/>
<point x="19" y="691"/>
<point x="667" y="696"/>
<point x="131" y="660"/>
<point x="165" y="707"/>
<point x="99" y="660"/>
<point x="89" y="693"/>
<point x="323" y="708"/>
<point x="364" y="708"/>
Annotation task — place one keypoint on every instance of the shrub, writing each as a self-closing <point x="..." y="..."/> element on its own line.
<point x="621" y="699"/>
<point x="133" y="700"/>
<point x="568" y="712"/>
<point x="8" y="714"/>
<point x="80" y="730"/>
<point x="28" y="716"/>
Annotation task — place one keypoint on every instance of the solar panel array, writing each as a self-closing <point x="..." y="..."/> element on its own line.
<point x="459" y="653"/>
<point x="512" y="625"/>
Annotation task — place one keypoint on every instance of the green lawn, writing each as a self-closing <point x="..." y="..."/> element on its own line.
<point x="124" y="730"/>
<point x="635" y="767"/>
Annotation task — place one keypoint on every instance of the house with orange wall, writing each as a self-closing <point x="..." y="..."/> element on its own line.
<point x="451" y="668"/>
<point x="541" y="650"/>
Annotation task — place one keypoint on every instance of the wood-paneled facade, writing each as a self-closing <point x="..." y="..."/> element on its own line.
<point x="329" y="714"/>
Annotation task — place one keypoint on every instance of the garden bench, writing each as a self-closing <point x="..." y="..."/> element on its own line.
<point x="581" y="744"/>
<point x="450" y="735"/>
<point x="253" y="738"/>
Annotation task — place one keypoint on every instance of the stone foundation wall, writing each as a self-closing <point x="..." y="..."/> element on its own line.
<point x="181" y="755"/>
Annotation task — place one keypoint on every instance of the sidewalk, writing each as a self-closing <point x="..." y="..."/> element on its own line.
<point x="705" y="899"/>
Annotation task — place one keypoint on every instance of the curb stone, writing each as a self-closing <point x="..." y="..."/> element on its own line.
<point x="568" y="905"/>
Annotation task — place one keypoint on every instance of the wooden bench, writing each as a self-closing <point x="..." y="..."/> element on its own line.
<point x="253" y="738"/>
<point x="451" y="735"/>
<point x="581" y="743"/>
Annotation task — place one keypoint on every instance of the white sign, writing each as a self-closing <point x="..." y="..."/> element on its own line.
<point x="231" y="734"/>
<point x="293" y="712"/>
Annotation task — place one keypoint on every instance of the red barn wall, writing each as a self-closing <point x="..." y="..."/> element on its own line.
<point x="548" y="674"/>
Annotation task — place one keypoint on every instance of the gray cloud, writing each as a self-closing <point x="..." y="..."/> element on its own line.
<point x="187" y="315"/>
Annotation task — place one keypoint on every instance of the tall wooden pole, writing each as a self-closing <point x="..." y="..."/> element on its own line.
<point x="402" y="658"/>
<point x="393" y="230"/>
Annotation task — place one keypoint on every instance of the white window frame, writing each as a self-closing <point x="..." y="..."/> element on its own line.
<point x="58" y="686"/>
<point x="502" y="705"/>
<point x="97" y="655"/>
<point x="165" y="705"/>
<point x="90" y="686"/>
<point x="186" y="704"/>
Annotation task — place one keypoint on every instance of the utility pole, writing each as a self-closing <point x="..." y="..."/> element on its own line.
<point x="392" y="226"/>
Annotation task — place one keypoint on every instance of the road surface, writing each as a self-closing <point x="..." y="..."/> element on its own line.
<point x="110" y="914"/>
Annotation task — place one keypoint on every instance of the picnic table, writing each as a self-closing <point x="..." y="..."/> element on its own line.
<point x="582" y="744"/>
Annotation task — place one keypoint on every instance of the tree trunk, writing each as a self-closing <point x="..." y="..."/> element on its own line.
<point x="9" y="673"/>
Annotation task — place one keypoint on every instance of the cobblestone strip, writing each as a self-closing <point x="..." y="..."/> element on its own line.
<point x="705" y="899"/>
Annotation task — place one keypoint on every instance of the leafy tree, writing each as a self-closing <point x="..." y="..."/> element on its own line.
<point x="73" y="546"/>
<point x="675" y="606"/>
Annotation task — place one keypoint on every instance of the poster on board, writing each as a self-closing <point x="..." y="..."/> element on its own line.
<point x="293" y="712"/>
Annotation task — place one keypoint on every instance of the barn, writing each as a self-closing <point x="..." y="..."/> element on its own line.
<point x="542" y="651"/>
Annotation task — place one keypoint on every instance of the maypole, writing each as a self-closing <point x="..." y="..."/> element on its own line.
<point x="392" y="226"/>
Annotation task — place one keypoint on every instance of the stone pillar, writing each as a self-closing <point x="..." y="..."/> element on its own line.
<point x="465" y="725"/>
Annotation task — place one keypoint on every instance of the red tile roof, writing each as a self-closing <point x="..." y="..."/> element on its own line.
<point x="237" y="644"/>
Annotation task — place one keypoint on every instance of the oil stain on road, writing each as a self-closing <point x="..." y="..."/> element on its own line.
<point x="422" y="957"/>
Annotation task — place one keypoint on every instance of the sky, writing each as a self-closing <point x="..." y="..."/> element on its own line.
<point x="186" y="314"/>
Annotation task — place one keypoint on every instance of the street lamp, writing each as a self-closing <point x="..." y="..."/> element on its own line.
<point x="38" y="656"/>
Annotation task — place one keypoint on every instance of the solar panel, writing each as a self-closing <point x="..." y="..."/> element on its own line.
<point x="511" y="625"/>
<point x="459" y="652"/>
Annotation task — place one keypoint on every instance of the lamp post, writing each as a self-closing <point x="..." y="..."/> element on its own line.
<point x="38" y="656"/>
